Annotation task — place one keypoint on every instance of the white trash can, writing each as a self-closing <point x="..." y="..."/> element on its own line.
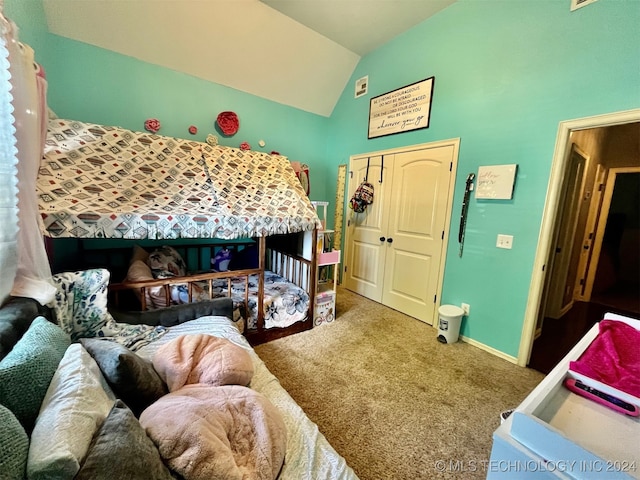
<point x="449" y="319"/>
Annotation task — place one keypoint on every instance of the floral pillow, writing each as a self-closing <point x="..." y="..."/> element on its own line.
<point x="166" y="262"/>
<point x="80" y="306"/>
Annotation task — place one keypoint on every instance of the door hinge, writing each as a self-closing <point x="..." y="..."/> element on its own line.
<point x="442" y="236"/>
<point x="582" y="281"/>
<point x="348" y="222"/>
<point x="601" y="187"/>
<point x="451" y="167"/>
<point x="345" y="269"/>
<point x="434" y="298"/>
<point x="350" y="173"/>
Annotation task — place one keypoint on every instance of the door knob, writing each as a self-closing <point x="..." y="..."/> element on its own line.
<point x="382" y="239"/>
<point x="389" y="240"/>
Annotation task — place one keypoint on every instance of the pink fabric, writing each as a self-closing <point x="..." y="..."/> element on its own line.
<point x="613" y="357"/>
<point x="202" y="358"/>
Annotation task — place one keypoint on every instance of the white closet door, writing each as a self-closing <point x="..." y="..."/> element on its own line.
<point x="364" y="255"/>
<point x="417" y="218"/>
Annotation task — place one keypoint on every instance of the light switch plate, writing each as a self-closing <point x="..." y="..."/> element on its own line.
<point x="504" y="241"/>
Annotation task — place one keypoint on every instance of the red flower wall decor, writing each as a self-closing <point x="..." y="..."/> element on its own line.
<point x="193" y="129"/>
<point x="152" y="125"/>
<point x="245" y="146"/>
<point x="228" y="123"/>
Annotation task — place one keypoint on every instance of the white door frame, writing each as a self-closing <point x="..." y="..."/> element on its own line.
<point x="452" y="180"/>
<point x="545" y="236"/>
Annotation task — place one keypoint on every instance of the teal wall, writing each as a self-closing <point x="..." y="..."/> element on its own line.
<point x="506" y="73"/>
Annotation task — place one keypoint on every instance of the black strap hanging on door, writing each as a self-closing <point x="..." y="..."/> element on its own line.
<point x="463" y="214"/>
<point x="366" y="174"/>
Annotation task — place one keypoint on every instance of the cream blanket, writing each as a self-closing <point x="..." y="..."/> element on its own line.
<point x="217" y="433"/>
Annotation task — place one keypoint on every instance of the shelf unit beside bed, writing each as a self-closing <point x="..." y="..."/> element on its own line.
<point x="328" y="261"/>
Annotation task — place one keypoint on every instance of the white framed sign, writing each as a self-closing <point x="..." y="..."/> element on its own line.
<point x="402" y="110"/>
<point x="495" y="182"/>
<point x="362" y="86"/>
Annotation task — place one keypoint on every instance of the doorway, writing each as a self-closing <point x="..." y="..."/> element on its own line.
<point x="609" y="142"/>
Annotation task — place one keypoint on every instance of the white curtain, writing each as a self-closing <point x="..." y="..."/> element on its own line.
<point x="8" y="169"/>
<point x="33" y="274"/>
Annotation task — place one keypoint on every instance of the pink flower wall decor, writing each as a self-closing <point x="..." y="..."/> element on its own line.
<point x="152" y="125"/>
<point x="228" y="123"/>
<point x="245" y="146"/>
<point x="193" y="129"/>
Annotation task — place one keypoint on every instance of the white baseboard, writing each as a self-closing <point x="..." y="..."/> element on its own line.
<point x="489" y="349"/>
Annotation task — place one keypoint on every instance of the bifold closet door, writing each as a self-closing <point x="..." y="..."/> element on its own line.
<point x="417" y="216"/>
<point x="394" y="251"/>
<point x="364" y="253"/>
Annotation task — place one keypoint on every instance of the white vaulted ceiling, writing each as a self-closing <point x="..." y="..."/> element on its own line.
<point x="299" y="53"/>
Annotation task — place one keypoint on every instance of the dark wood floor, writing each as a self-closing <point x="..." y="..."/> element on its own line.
<point x="559" y="336"/>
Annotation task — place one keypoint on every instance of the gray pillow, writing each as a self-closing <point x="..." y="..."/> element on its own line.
<point x="122" y="449"/>
<point x="131" y="377"/>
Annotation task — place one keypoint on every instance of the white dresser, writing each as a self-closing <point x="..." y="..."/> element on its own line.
<point x="555" y="433"/>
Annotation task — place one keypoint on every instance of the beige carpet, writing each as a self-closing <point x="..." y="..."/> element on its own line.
<point x="393" y="400"/>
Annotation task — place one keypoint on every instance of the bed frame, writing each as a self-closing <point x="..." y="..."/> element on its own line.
<point x="273" y="255"/>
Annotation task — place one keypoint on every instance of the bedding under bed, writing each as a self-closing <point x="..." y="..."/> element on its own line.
<point x="284" y="302"/>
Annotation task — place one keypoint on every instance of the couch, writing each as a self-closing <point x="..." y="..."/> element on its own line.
<point x="77" y="405"/>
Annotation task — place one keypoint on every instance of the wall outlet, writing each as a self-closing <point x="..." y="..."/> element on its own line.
<point x="504" y="241"/>
<point x="465" y="307"/>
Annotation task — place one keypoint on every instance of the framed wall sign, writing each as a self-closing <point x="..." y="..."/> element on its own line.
<point x="402" y="110"/>
<point x="362" y="86"/>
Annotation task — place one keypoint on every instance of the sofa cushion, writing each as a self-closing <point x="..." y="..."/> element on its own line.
<point x="122" y="449"/>
<point x="132" y="378"/>
<point x="14" y="446"/>
<point x="81" y="310"/>
<point x="25" y="373"/>
<point x="15" y="317"/>
<point x="77" y="402"/>
<point x="177" y="314"/>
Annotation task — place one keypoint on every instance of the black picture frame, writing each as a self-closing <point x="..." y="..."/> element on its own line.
<point x="404" y="109"/>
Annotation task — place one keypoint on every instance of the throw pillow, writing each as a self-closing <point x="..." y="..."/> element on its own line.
<point x="132" y="378"/>
<point x="77" y="402"/>
<point x="25" y="373"/>
<point x="14" y="446"/>
<point x="166" y="262"/>
<point x="245" y="433"/>
<point x="81" y="310"/>
<point x="202" y="358"/>
<point x="155" y="297"/>
<point x="139" y="253"/>
<point x="81" y="302"/>
<point x="122" y="449"/>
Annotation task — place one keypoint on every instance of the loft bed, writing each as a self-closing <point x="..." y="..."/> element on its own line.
<point x="109" y="183"/>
